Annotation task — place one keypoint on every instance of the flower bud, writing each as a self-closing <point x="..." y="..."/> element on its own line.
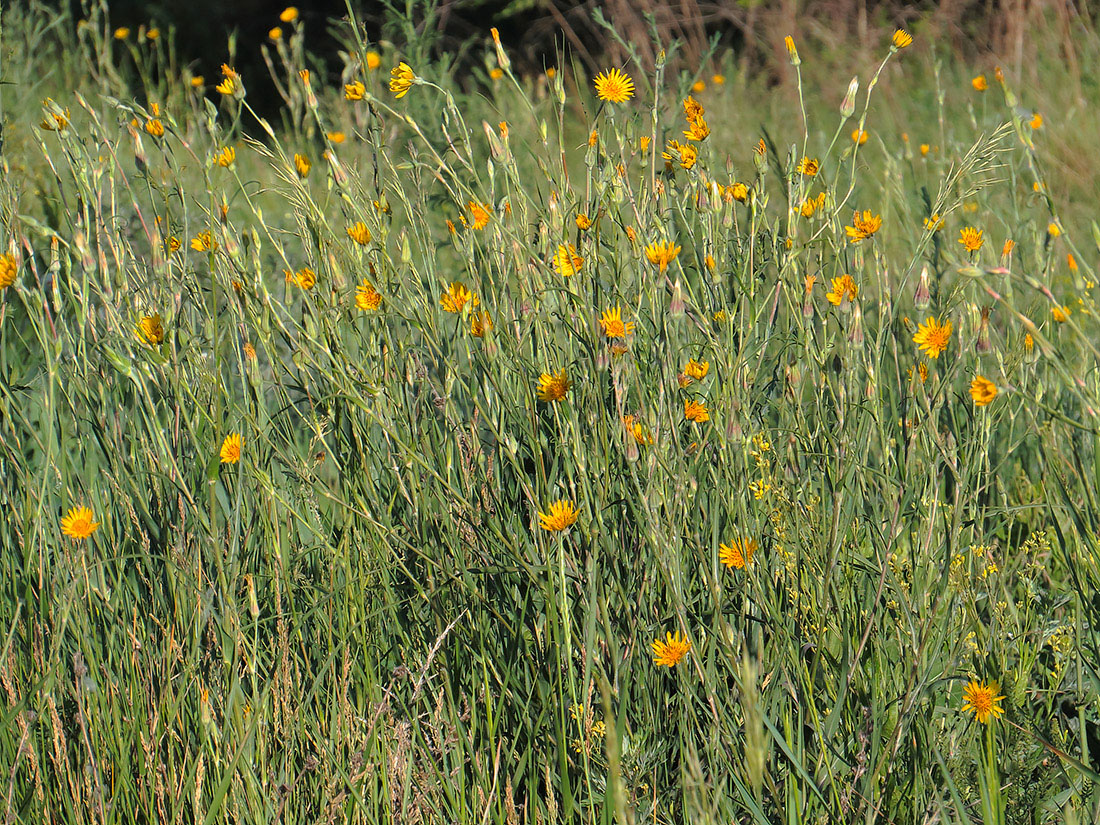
<point x="792" y="51"/>
<point x="848" y="106"/>
<point x="923" y="296"/>
<point x="983" y="346"/>
<point x="855" y="333"/>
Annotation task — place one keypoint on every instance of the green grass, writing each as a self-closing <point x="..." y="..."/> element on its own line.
<point x="362" y="620"/>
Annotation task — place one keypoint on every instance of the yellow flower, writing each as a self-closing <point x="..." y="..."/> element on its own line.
<point x="924" y="147"/>
<point x="480" y="323"/>
<point x="738" y="191"/>
<point x="197" y="81"/>
<point x="359" y="233"/>
<point x="480" y="213"/>
<point x="864" y="226"/>
<point x="561" y="516"/>
<point x="738" y="553"/>
<point x="225" y="157"/>
<point x="231" y="449"/>
<point x="983" y="391"/>
<point x="304" y="278"/>
<point x="1006" y="250"/>
<point x="367" y="298"/>
<point x="614" y="86"/>
<point x="204" y="242"/>
<point x="302" y="165"/>
<point x="154" y="127"/>
<point x="566" y="260"/>
<point x="374" y="60"/>
<point x="718" y="79"/>
<point x="697" y="369"/>
<point x="844" y="290"/>
<point x="229" y="83"/>
<point x="809" y="167"/>
<point x="583" y="221"/>
<point x="553" y="386"/>
<point x="121" y="33"/>
<point x="1053" y="229"/>
<point x="456" y="297"/>
<point x="901" y="39"/>
<point x="662" y="254"/>
<point x="1060" y="313"/>
<point x="859" y="137"/>
<point x="684" y="153"/>
<point x="336" y="137"/>
<point x="811" y="205"/>
<point x="8" y="270"/>
<point x="982" y="700"/>
<point x="792" y="50"/>
<point x="289" y="14"/>
<point x="153" y="34"/>
<point x="401" y="79"/>
<point x="275" y="34"/>
<point x="979" y="83"/>
<point x="1036" y="122"/>
<point x="496" y="73"/>
<point x="932" y="337"/>
<point x="150" y="329"/>
<point x="354" y="90"/>
<point x="613" y="325"/>
<point x="933" y="222"/>
<point x="637" y="430"/>
<point x="971" y="238"/>
<point x="693" y="110"/>
<point x="696" y="411"/>
<point x="698" y="130"/>
<point x="669" y="652"/>
<point x="79" y="523"/>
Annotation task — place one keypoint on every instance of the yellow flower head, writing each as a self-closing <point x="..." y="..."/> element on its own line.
<point x="479" y="213"/>
<point x="697" y="369"/>
<point x="1036" y="121"/>
<point x="1060" y="313"/>
<point x="354" y="90"/>
<point x="662" y="254"/>
<point x="302" y="165"/>
<point x="79" y="523"/>
<point x="8" y="270"/>
<point x="614" y="86"/>
<point x="374" y="60"/>
<point x="901" y="39"/>
<point x="696" y="411"/>
<point x="971" y="238"/>
<point x="480" y="323"/>
<point x="456" y="297"/>
<point x="155" y="127"/>
<point x="738" y="191"/>
<point x="367" y="298"/>
<point x="844" y="291"/>
<point x="683" y="153"/>
<point x="197" y="81"/>
<point x="698" y="130"/>
<point x="979" y="83"/>
<point x="231" y="449"/>
<point x="809" y="167"/>
<point x="932" y="337"/>
<point x="304" y="278"/>
<point x="275" y="34"/>
<point x="859" y="137"/>
<point x="229" y="82"/>
<point x="204" y="242"/>
<point x="864" y="226"/>
<point x="121" y="33"/>
<point x="738" y="553"/>
<point x="983" y="391"/>
<point x="583" y="221"/>
<point x="553" y="387"/>
<point x="933" y="222"/>
<point x="669" y="652"/>
<point x="982" y="700"/>
<point x="150" y="329"/>
<point x="561" y="516"/>
<point x="613" y="325"/>
<point x="566" y="260"/>
<point x="637" y="430"/>
<point x="359" y="233"/>
<point x="225" y="157"/>
<point x="402" y="78"/>
<point x="289" y="14"/>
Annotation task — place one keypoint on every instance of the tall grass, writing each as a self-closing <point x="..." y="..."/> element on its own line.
<point x="362" y="619"/>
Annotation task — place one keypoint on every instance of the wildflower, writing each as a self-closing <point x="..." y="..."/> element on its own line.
<point x="662" y="254"/>
<point x="275" y="34"/>
<point x="367" y="298"/>
<point x="693" y="110"/>
<point x="738" y="191"/>
<point x="225" y="157"/>
<point x="792" y="51"/>
<point x="718" y="79"/>
<point x="305" y="278"/>
<point x="480" y="213"/>
<point x="583" y="221"/>
<point x="971" y="238"/>
<point x="637" y="430"/>
<point x="859" y="137"/>
<point x="864" y="226"/>
<point x="1036" y="121"/>
<point x="738" y="553"/>
<point x="154" y="127"/>
<point x="231" y="449"/>
<point x="614" y="86"/>
<point x="631" y="234"/>
<point x="643" y="143"/>
<point x="933" y="337"/>
<point x="121" y="33"/>
<point x="79" y="523"/>
<point x="289" y="14"/>
<point x="901" y="39"/>
<point x="229" y="83"/>
<point x="496" y="73"/>
<point x="698" y="130"/>
<point x="204" y="242"/>
<point x="697" y="369"/>
<point x="153" y="34"/>
<point x="59" y="121"/>
<point x="933" y="222"/>
<point x="613" y="324"/>
<point x="1006" y="250"/>
<point x="844" y="291"/>
<point x="669" y="652"/>
<point x="562" y="515"/>
<point x="922" y="371"/>
<point x="811" y="205"/>
<point x="983" y="391"/>
<point x="479" y="324"/>
<point x="8" y="270"/>
<point x="456" y="297"/>
<point x="982" y="700"/>
<point x="553" y="386"/>
<point x="808" y="167"/>
<point x="1053" y="229"/>
<point x="696" y="411"/>
<point x="566" y="260"/>
<point x="150" y="330"/>
<point x="1060" y="313"/>
<point x="359" y="233"/>
<point x="401" y="79"/>
<point x="1029" y="343"/>
<point x="302" y="165"/>
<point x="354" y="90"/>
<point x="374" y="60"/>
<point x="924" y="147"/>
<point x="683" y="153"/>
<point x="979" y="83"/>
<point x="1071" y="262"/>
<point x="593" y="138"/>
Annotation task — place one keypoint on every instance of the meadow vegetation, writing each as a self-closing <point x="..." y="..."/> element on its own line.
<point x="649" y="446"/>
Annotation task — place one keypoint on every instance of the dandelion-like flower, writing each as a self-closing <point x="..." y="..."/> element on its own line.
<point x="981" y="699"/>
<point x="354" y="90"/>
<point x="697" y="369"/>
<point x="359" y="233"/>
<point x="979" y="83"/>
<point x="204" y="242"/>
<point x="614" y="86"/>
<point x="302" y="165"/>
<point x="456" y="297"/>
<point x="479" y="213"/>
<point x="933" y="223"/>
<point x="304" y="278"/>
<point x="932" y="337"/>
<point x="150" y="330"/>
<point x="901" y="39"/>
<point x="225" y="156"/>
<point x="583" y="222"/>
<point x="561" y="515"/>
<point x="669" y="651"/>
<point x="480" y="323"/>
<point x="697" y="130"/>
<point x="402" y="78"/>
<point x="738" y="553"/>
<point x="696" y="411"/>
<point x="971" y="238"/>
<point x="367" y="298"/>
<point x="289" y="14"/>
<point x="79" y="523"/>
<point x="566" y="260"/>
<point x="809" y="167"/>
<point x="8" y="270"/>
<point x="231" y="449"/>
<point x="637" y="430"/>
<point x="863" y="226"/>
<point x="859" y="137"/>
<point x="662" y="254"/>
<point x="693" y="109"/>
<point x="683" y="153"/>
<point x="613" y="325"/>
<point x="553" y="387"/>
<point x="155" y="127"/>
<point x="843" y="292"/>
<point x="983" y="391"/>
<point x="738" y="191"/>
<point x="374" y="60"/>
<point x="230" y="81"/>
<point x="1060" y="313"/>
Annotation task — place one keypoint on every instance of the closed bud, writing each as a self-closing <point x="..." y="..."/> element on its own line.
<point x="676" y="305"/>
<point x="983" y="346"/>
<point x="855" y="333"/>
<point x="848" y="106"/>
<point x="923" y="296"/>
<point x="792" y="51"/>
